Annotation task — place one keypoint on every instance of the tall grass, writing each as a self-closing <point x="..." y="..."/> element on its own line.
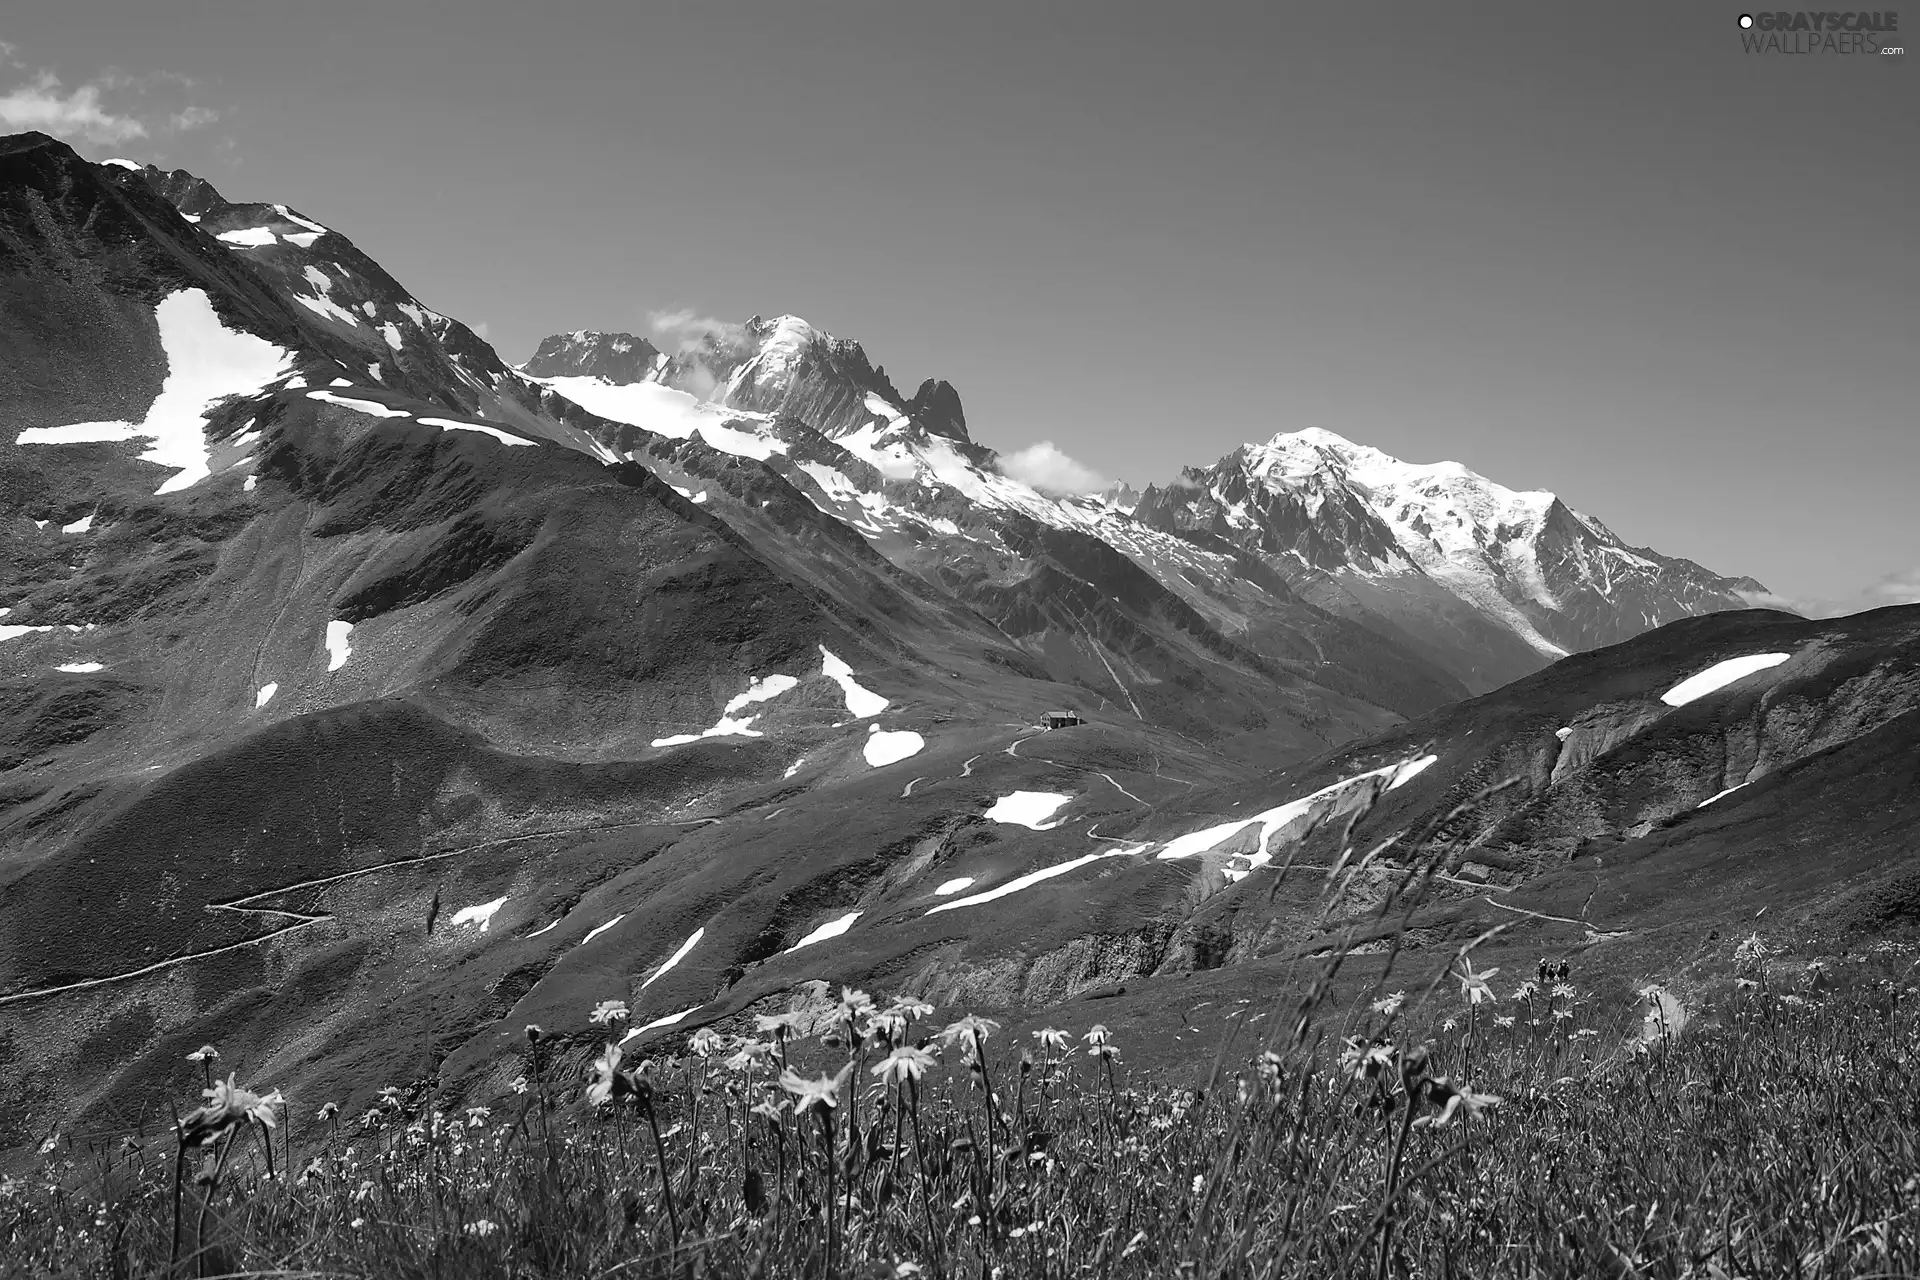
<point x="1778" y="1135"/>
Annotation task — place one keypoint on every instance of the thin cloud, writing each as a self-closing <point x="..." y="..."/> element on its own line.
<point x="1895" y="588"/>
<point x="110" y="108"/>
<point x="39" y="104"/>
<point x="1046" y="468"/>
<point x="686" y="330"/>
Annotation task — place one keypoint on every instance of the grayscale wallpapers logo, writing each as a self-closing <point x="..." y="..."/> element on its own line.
<point x="1866" y="34"/>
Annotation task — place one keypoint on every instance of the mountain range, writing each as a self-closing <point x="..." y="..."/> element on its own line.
<point x="364" y="697"/>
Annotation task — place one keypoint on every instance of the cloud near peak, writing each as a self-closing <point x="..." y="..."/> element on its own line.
<point x="1046" y="468"/>
<point x="686" y="330"/>
<point x="110" y="109"/>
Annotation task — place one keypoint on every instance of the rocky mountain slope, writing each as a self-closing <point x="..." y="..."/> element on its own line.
<point x="363" y="699"/>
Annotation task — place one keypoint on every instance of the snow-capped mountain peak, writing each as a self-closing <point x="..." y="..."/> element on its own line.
<point x="1320" y="505"/>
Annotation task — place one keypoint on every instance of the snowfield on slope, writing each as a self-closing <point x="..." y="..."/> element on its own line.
<point x="1032" y="878"/>
<point x="884" y="748"/>
<point x="666" y="412"/>
<point x="1295" y="816"/>
<point x="760" y="689"/>
<point x="863" y="704"/>
<point x="674" y="959"/>
<point x="831" y="929"/>
<point x="206" y="363"/>
<point x="338" y="649"/>
<point x="448" y="424"/>
<point x="480" y="914"/>
<point x="1028" y="809"/>
<point x="1719" y="676"/>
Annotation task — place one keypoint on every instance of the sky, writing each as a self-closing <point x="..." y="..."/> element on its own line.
<point x="1597" y="249"/>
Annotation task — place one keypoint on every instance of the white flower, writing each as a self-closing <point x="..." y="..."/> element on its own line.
<point x="608" y="1011"/>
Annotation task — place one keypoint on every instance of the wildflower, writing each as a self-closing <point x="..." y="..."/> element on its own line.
<point x="534" y="1033"/>
<point x="1563" y="990"/>
<point x="907" y="1006"/>
<point x="1051" y="1038"/>
<point x="822" y="1092"/>
<point x="854" y="1004"/>
<point x="611" y="1084"/>
<point x="1561" y="1015"/>
<point x="749" y="1055"/>
<point x="1199" y="1183"/>
<point x="1390" y="1005"/>
<point x="1476" y="986"/>
<point x="771" y="1108"/>
<point x="1105" y="1052"/>
<point x="1449" y="1024"/>
<point x="227" y="1107"/>
<point x="1461" y="1102"/>
<point x="1269" y="1064"/>
<point x="327" y="1111"/>
<point x="1365" y="1061"/>
<point x="1526" y="990"/>
<point x="518" y="1084"/>
<point x="1503" y="1021"/>
<point x="391" y="1096"/>
<point x="477" y="1116"/>
<point x="706" y="1042"/>
<point x="205" y="1053"/>
<point x="608" y="1011"/>
<point x="779" y="1024"/>
<point x="482" y="1228"/>
<point x="1097" y="1035"/>
<point x="969" y="1029"/>
<point x="904" y="1063"/>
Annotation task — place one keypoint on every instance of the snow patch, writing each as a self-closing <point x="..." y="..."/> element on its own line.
<point x="1563" y="733"/>
<point x="761" y="689"/>
<point x="327" y="307"/>
<point x="1028" y="809"/>
<point x="372" y="408"/>
<point x="831" y="929"/>
<point x="791" y="769"/>
<point x="950" y="887"/>
<point x="885" y="748"/>
<point x="1720" y="795"/>
<point x="81" y="525"/>
<point x="480" y="914"/>
<point x="1032" y="878"/>
<point x="265" y="694"/>
<point x="338" y="650"/>
<point x="667" y="1021"/>
<point x="546" y="928"/>
<point x="449" y="424"/>
<point x="676" y="957"/>
<point x="862" y="703"/>
<point x="9" y="632"/>
<point x="667" y="412"/>
<point x="304" y="239"/>
<point x="248" y="237"/>
<point x="600" y="929"/>
<point x="80" y="668"/>
<point x="1293" y="817"/>
<point x="206" y="363"/>
<point x="1719" y="676"/>
<point x="124" y="164"/>
<point x="391" y="332"/>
